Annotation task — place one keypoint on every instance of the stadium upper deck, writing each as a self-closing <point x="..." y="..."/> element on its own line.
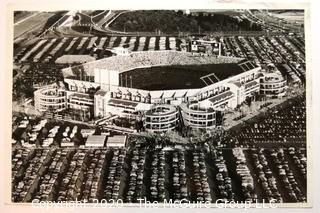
<point x="123" y="63"/>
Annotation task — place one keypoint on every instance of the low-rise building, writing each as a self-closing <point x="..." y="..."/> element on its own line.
<point x="96" y="141"/>
<point x="116" y="141"/>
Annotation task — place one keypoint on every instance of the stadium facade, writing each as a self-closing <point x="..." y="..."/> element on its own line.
<point x="120" y="85"/>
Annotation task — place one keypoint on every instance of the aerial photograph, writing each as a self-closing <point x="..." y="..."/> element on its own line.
<point x="119" y="107"/>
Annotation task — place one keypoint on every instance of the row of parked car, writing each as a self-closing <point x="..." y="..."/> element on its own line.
<point x="200" y="179"/>
<point x="265" y="176"/>
<point x="266" y="50"/>
<point x="244" y="173"/>
<point x="287" y="177"/>
<point x="135" y="175"/>
<point x="284" y="125"/>
<point x="111" y="190"/>
<point x="179" y="180"/>
<point x="47" y="184"/>
<point x="29" y="175"/>
<point x="224" y="189"/>
<point x="157" y="185"/>
<point x="157" y="173"/>
<point x="300" y="160"/>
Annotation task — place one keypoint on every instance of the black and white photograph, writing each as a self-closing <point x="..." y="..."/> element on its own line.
<point x="161" y="107"/>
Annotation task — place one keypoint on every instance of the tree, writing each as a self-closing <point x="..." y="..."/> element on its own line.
<point x="44" y="131"/>
<point x="77" y="140"/>
<point x="139" y="125"/>
<point x="29" y="128"/>
<point x="55" y="143"/>
<point x="38" y="142"/>
<point x="25" y="137"/>
<point x="248" y="100"/>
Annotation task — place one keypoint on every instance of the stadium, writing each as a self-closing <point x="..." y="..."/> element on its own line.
<point x="195" y="86"/>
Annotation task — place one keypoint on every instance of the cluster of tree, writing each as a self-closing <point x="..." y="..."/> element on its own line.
<point x="53" y="19"/>
<point x="169" y="21"/>
<point x="36" y="74"/>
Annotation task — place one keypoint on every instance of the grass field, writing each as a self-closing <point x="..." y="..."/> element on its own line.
<point x="32" y="24"/>
<point x="177" y="77"/>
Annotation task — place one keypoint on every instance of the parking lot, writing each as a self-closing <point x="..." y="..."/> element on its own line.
<point x="280" y="126"/>
<point x="196" y="175"/>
